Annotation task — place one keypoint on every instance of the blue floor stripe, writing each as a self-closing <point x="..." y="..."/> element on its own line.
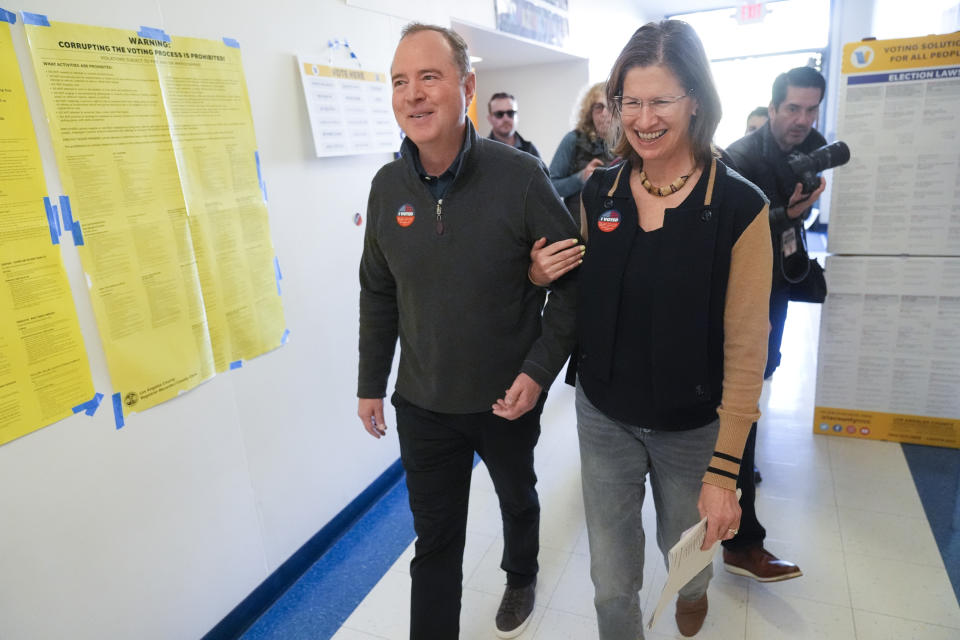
<point x="936" y="473"/>
<point x="317" y="605"/>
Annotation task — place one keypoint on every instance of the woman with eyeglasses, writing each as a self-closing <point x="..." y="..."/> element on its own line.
<point x="584" y="149"/>
<point x="672" y="325"/>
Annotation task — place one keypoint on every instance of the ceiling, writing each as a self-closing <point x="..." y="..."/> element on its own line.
<point x="657" y="8"/>
<point x="500" y="50"/>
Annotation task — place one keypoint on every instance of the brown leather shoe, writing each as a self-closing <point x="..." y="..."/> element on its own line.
<point x="759" y="564"/>
<point x="690" y="615"/>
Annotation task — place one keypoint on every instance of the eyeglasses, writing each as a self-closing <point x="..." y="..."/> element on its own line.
<point x="598" y="107"/>
<point x="509" y="112"/>
<point x="659" y="106"/>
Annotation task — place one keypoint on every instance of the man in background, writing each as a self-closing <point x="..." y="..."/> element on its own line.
<point x="444" y="269"/>
<point x="761" y="157"/>
<point x="757" y="118"/>
<point x="502" y="116"/>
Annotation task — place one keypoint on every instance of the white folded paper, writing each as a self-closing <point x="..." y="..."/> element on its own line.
<point x="685" y="560"/>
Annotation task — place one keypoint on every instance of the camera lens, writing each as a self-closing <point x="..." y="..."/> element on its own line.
<point x="830" y="155"/>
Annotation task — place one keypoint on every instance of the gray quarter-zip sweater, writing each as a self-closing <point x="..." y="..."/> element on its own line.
<point x="449" y="278"/>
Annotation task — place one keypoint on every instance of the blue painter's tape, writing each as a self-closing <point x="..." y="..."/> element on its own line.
<point x="153" y="34"/>
<point x="77" y="234"/>
<point x="230" y="42"/>
<point x="236" y="364"/>
<point x="52" y="221"/>
<point x="118" y="410"/>
<point x="94" y="404"/>
<point x="8" y="16"/>
<point x="285" y="337"/>
<point x="90" y="406"/>
<point x="263" y="185"/>
<point x="66" y="212"/>
<point x="276" y="269"/>
<point x="36" y="19"/>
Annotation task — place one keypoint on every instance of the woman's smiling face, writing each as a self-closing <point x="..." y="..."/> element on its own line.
<point x="655" y="114"/>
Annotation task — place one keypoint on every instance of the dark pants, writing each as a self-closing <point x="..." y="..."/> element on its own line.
<point x="751" y="532"/>
<point x="779" y="300"/>
<point x="437" y="453"/>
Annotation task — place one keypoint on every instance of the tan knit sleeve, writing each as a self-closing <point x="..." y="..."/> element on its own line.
<point x="746" y="325"/>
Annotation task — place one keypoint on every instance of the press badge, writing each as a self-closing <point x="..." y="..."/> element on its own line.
<point x="788" y="242"/>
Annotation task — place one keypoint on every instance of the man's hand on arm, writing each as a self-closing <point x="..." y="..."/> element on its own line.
<point x="549" y="262"/>
<point x="370" y="411"/>
<point x="799" y="202"/>
<point x="520" y="398"/>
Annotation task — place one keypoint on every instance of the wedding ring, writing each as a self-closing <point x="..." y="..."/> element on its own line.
<point x="733" y="531"/>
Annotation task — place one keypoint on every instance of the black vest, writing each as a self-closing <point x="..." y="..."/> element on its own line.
<point x="688" y="299"/>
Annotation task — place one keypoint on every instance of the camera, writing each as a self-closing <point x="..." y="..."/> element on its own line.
<point x="806" y="167"/>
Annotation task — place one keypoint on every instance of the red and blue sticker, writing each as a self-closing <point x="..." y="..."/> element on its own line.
<point x="405" y="215"/>
<point x="608" y="220"/>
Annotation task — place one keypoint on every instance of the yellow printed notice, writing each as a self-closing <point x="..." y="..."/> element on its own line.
<point x="155" y="142"/>
<point x="112" y="140"/>
<point x="209" y="116"/>
<point x="44" y="371"/>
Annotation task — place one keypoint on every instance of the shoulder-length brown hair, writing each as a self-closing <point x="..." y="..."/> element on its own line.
<point x="593" y="95"/>
<point x="675" y="45"/>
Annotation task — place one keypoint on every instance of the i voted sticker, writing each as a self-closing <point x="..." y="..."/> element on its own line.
<point x="405" y="215"/>
<point x="609" y="220"/>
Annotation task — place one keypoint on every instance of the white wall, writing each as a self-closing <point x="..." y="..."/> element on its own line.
<point x="546" y="97"/>
<point x="159" y="529"/>
<point x="850" y="21"/>
<point x="600" y="28"/>
<point x="549" y="93"/>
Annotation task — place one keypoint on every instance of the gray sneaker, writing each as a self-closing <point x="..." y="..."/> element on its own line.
<point x="516" y="609"/>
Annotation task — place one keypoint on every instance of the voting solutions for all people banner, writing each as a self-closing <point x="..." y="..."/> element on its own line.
<point x="889" y="364"/>
<point x="898" y="113"/>
<point x="44" y="372"/>
<point x="889" y="361"/>
<point x="154" y="140"/>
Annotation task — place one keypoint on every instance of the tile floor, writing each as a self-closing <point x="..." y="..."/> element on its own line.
<point x="846" y="511"/>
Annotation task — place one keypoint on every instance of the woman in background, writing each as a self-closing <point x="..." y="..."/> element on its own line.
<point x="583" y="149"/>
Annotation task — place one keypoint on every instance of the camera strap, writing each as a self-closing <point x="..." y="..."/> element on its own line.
<point x="794" y="260"/>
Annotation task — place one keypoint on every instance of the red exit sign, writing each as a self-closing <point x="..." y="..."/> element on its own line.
<point x="751" y="12"/>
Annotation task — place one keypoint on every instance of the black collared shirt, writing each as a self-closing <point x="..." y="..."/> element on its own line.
<point x="521" y="143"/>
<point x="438" y="185"/>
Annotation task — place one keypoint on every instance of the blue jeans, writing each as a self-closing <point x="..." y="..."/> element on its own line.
<point x="614" y="460"/>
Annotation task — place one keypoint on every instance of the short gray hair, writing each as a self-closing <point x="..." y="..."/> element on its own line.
<point x="461" y="56"/>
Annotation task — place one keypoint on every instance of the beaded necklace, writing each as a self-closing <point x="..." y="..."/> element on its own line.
<point x="661" y="192"/>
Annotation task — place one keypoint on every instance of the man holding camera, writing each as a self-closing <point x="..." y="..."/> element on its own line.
<point x="762" y="158"/>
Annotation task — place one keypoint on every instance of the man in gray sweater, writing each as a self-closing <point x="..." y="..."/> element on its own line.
<point x="444" y="269"/>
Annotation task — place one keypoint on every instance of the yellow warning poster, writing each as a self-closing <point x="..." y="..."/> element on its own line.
<point x="212" y="130"/>
<point x="44" y="372"/>
<point x="154" y="141"/>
